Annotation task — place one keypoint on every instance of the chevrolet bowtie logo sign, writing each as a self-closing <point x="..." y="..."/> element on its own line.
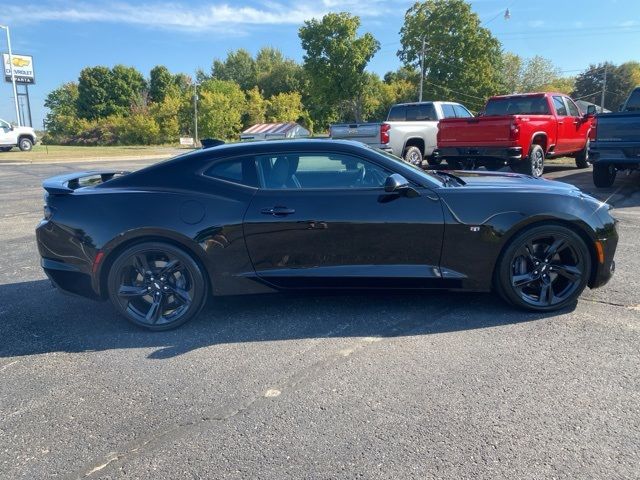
<point x="22" y="68"/>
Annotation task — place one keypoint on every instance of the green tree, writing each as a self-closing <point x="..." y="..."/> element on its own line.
<point x="560" y="84"/>
<point x="166" y="115"/>
<point x="589" y="84"/>
<point x="285" y="107"/>
<point x="239" y="67"/>
<point x="276" y="74"/>
<point x="335" y="62"/>
<point x="462" y="58"/>
<point x="160" y="80"/>
<point x="222" y="104"/>
<point x="511" y="73"/>
<point x="93" y="93"/>
<point x="61" y="103"/>
<point x="256" y="110"/>
<point x="103" y="92"/>
<point x="536" y="72"/>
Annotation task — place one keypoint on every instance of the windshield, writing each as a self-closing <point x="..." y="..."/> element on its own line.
<point x="517" y="106"/>
<point x="429" y="177"/>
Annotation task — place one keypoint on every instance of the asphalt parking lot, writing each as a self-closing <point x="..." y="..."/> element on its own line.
<point x="387" y="386"/>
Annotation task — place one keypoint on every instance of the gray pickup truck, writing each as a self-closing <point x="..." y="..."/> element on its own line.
<point x="615" y="141"/>
<point x="409" y="131"/>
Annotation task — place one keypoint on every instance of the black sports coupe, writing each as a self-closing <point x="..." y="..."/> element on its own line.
<point x="315" y="214"/>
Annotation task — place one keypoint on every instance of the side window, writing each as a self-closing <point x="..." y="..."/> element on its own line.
<point x="558" y="103"/>
<point x="421" y="112"/>
<point x="633" y="104"/>
<point x="5" y="126"/>
<point x="462" y="112"/>
<point x="397" y="113"/>
<point x="574" y="111"/>
<point x="238" y="170"/>
<point x="319" y="170"/>
<point x="448" y="111"/>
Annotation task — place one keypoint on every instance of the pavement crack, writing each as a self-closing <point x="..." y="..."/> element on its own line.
<point x="290" y="383"/>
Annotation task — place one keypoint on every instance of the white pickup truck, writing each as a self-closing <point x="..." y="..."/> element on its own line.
<point x="22" y="137"/>
<point x="409" y="131"/>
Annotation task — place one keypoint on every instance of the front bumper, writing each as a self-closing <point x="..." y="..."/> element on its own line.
<point x="505" y="154"/>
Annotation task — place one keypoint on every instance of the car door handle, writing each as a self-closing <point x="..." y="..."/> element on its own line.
<point x="277" y="211"/>
<point x="560" y="122"/>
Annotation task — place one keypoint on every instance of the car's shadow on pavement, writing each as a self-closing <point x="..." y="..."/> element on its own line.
<point x="35" y="318"/>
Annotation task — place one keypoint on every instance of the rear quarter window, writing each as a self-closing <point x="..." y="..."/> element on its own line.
<point x="398" y="113"/>
<point x="238" y="170"/>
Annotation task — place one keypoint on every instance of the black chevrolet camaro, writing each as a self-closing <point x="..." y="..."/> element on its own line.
<point x="315" y="214"/>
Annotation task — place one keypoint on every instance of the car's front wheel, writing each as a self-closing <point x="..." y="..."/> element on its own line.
<point x="544" y="268"/>
<point x="156" y="286"/>
<point x="25" y="144"/>
<point x="582" y="158"/>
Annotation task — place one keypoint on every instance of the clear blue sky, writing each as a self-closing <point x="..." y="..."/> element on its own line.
<point x="64" y="36"/>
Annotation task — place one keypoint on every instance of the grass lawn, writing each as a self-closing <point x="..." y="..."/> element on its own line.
<point x="43" y="153"/>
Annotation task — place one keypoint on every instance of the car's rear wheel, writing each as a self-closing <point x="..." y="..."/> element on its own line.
<point x="544" y="268"/>
<point x="582" y="158"/>
<point x="413" y="155"/>
<point x="604" y="175"/>
<point x="156" y="286"/>
<point x="5" y="149"/>
<point x="533" y="164"/>
<point x="25" y="144"/>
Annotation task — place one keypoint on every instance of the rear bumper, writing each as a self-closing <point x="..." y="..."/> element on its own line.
<point x="506" y="154"/>
<point x="68" y="266"/>
<point x="623" y="155"/>
<point x="68" y="278"/>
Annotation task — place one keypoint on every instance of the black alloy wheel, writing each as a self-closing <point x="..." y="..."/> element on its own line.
<point x="545" y="268"/>
<point x="156" y="286"/>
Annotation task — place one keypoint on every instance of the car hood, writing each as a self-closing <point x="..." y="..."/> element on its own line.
<point x="508" y="180"/>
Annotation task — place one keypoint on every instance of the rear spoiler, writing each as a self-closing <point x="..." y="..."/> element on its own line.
<point x="65" y="184"/>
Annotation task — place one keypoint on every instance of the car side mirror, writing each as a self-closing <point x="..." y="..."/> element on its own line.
<point x="591" y="110"/>
<point x="396" y="183"/>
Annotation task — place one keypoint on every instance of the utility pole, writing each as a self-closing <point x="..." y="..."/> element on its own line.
<point x="604" y="87"/>
<point x="195" y="114"/>
<point x="421" y="69"/>
<point x="13" y="77"/>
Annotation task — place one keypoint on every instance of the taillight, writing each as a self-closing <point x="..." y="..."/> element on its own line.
<point x="593" y="131"/>
<point x="514" y="131"/>
<point x="384" y="133"/>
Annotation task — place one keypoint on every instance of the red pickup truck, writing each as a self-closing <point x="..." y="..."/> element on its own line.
<point x="517" y="130"/>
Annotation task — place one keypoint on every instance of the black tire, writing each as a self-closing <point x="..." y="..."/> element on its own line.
<point x="413" y="155"/>
<point x="5" y="149"/>
<point x="604" y="175"/>
<point x="157" y="286"/>
<point x="25" y="144"/>
<point x="557" y="279"/>
<point x="533" y="164"/>
<point x="582" y="158"/>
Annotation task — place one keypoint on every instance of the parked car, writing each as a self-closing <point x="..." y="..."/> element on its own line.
<point x="615" y="141"/>
<point x="409" y="131"/>
<point x="520" y="131"/>
<point x="285" y="215"/>
<point x="22" y="137"/>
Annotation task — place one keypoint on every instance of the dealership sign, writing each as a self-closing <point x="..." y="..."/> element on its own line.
<point x="22" y="68"/>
